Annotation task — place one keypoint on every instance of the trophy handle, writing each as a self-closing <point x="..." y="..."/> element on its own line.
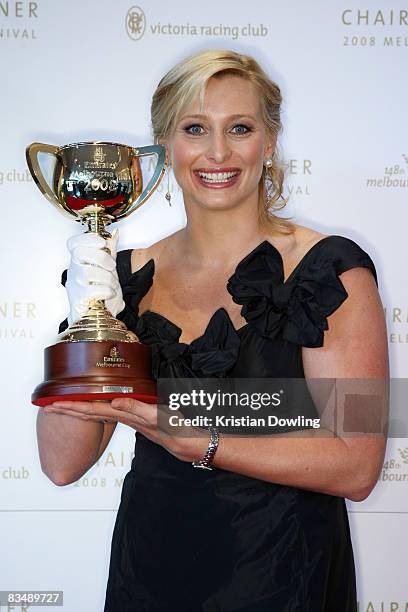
<point x="158" y="173"/>
<point x="32" y="152"/>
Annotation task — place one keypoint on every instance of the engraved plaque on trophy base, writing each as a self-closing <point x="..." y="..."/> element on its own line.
<point x="95" y="371"/>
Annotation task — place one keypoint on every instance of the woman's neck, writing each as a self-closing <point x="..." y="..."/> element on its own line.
<point x="217" y="239"/>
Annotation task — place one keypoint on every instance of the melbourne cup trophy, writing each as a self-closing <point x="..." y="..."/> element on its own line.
<point x="97" y="357"/>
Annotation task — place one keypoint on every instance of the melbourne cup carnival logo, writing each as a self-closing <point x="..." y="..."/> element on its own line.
<point x="380" y="27"/>
<point x="394" y="175"/>
<point x="17" y="320"/>
<point x="395" y="468"/>
<point x="375" y="17"/>
<point x="17" y="20"/>
<point x="396" y="316"/>
<point x="382" y="606"/>
<point x="135" y="23"/>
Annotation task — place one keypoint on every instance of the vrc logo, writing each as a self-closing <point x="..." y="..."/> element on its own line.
<point x="135" y="23"/>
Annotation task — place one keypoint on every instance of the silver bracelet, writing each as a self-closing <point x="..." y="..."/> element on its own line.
<point x="206" y="461"/>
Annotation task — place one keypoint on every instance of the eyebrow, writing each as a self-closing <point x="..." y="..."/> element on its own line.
<point x="201" y="116"/>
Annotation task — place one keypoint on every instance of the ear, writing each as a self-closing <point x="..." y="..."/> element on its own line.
<point x="270" y="147"/>
<point x="164" y="142"/>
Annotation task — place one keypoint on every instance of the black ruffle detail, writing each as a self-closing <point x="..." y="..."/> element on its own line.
<point x="134" y="288"/>
<point x="154" y="328"/>
<point x="298" y="308"/>
<point x="211" y="355"/>
<point x="216" y="351"/>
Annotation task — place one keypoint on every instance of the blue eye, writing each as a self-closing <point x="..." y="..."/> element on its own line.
<point x="241" y="129"/>
<point x="194" y="129"/>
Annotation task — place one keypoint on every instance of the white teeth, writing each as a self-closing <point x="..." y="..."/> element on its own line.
<point x="217" y="177"/>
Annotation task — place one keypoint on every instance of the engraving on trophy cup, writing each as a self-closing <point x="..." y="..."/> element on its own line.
<point x="96" y="183"/>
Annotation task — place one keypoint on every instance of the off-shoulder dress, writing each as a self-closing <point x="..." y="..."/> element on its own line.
<point x="188" y="540"/>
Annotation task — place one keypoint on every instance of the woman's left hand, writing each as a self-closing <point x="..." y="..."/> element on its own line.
<point x="185" y="443"/>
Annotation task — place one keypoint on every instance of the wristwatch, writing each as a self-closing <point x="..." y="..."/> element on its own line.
<point x="206" y="461"/>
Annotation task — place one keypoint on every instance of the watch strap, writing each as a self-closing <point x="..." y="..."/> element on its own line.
<point x="206" y="461"/>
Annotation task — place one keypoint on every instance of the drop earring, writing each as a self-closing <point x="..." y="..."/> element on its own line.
<point x="168" y="194"/>
<point x="269" y="188"/>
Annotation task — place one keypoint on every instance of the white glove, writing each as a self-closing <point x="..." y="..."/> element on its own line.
<point x="92" y="274"/>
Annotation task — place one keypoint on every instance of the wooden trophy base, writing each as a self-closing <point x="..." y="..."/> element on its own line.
<point x="92" y="371"/>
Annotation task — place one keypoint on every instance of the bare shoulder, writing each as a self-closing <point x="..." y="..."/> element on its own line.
<point x="306" y="237"/>
<point x="293" y="247"/>
<point x="155" y="251"/>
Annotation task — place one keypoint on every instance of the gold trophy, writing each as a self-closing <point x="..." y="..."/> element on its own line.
<point x="96" y="358"/>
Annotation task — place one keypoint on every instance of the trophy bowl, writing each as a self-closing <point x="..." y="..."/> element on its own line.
<point x="97" y="357"/>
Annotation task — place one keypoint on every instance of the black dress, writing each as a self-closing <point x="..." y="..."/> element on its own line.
<point x="189" y="540"/>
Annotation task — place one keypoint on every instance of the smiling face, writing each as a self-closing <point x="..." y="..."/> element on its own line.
<point x="217" y="151"/>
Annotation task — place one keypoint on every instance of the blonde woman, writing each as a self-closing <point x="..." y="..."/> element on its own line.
<point x="238" y="292"/>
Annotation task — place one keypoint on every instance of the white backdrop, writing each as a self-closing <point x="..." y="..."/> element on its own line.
<point x="72" y="71"/>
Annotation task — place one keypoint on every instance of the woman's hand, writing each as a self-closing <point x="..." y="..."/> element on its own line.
<point x="185" y="443"/>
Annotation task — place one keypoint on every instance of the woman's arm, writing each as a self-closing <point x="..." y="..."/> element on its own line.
<point x="69" y="446"/>
<point x="355" y="347"/>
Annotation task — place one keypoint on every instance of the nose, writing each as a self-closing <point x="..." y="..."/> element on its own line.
<point x="218" y="150"/>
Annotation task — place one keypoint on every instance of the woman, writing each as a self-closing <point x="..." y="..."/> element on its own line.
<point x="237" y="293"/>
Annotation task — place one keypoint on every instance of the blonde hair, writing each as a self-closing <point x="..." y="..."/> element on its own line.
<point x="187" y="81"/>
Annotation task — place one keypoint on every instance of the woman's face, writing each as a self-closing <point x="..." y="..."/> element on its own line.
<point x="217" y="152"/>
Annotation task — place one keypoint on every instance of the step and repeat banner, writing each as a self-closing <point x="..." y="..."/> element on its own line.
<point x="79" y="71"/>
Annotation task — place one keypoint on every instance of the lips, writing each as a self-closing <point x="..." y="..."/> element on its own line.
<point x="217" y="177"/>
